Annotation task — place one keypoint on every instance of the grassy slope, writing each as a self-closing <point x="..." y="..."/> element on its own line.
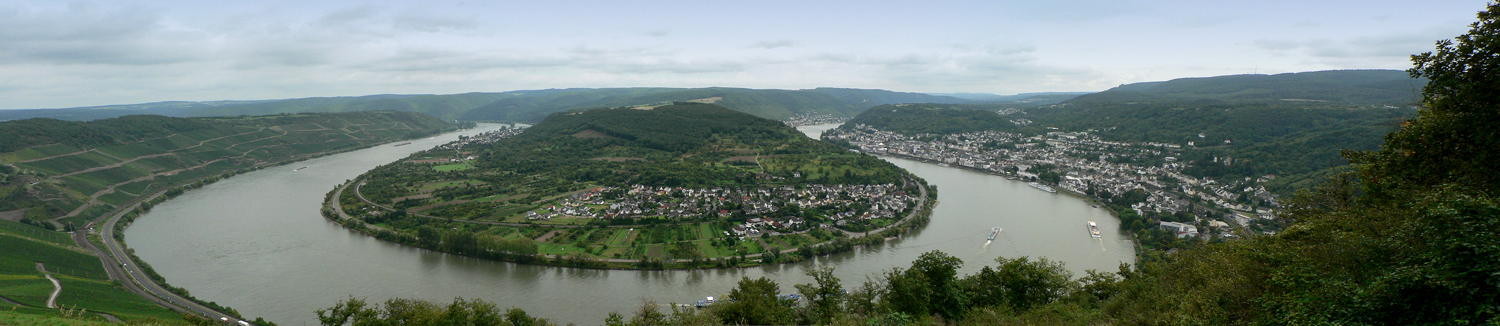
<point x="85" y="284"/>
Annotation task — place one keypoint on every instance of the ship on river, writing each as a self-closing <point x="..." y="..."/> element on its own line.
<point x="994" y="232"/>
<point x="1094" y="230"/>
<point x="1043" y="187"/>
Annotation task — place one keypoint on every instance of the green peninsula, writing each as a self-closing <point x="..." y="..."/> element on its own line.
<point x="685" y="185"/>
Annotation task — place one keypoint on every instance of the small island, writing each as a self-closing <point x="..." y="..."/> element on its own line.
<point x="684" y="185"/>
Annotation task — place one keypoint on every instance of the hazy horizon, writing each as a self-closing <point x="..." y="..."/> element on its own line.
<point x="93" y="54"/>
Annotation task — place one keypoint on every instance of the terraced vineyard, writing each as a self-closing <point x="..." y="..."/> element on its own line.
<point x="61" y="175"/>
<point x="65" y="175"/>
<point x="85" y="284"/>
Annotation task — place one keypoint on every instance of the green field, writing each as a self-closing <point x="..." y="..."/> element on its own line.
<point x="30" y="290"/>
<point x="85" y="285"/>
<point x="20" y="257"/>
<point x="28" y="231"/>
<point x="452" y="167"/>
<point x="99" y="295"/>
<point x="27" y="316"/>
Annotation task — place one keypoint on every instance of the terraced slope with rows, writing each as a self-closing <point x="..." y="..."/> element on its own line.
<point x="62" y="174"/>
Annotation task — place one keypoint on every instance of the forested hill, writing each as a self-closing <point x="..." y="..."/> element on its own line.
<point x="65" y="173"/>
<point x="765" y="103"/>
<point x="677" y="145"/>
<point x="674" y="128"/>
<point x="914" y="119"/>
<point x="1356" y="87"/>
<point x="528" y="106"/>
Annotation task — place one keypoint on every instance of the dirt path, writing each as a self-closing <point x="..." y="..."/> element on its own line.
<point x="13" y="216"/>
<point x="56" y="286"/>
<point x="549" y="235"/>
<point x="111" y="166"/>
<point x="53" y="156"/>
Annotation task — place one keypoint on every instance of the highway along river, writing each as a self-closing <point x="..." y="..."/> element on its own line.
<point x="256" y="242"/>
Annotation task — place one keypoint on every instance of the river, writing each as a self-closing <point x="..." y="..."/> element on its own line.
<point x="256" y="242"/>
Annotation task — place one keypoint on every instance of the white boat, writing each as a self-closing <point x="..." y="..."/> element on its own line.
<point x="994" y="232"/>
<point x="1094" y="229"/>
<point x="1043" y="187"/>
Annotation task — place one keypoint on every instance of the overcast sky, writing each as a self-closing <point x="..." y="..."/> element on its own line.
<point x="61" y="54"/>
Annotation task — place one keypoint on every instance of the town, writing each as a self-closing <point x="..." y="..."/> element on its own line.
<point x="1083" y="164"/>
<point x="807" y="119"/>
<point x="849" y="207"/>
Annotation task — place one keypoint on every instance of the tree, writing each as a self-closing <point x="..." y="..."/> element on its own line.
<point x="929" y="287"/>
<point x="1408" y="237"/>
<point x="1454" y="139"/>
<point x="754" y="302"/>
<point x="823" y="295"/>
<point x="1020" y="283"/>
<point x="356" y="312"/>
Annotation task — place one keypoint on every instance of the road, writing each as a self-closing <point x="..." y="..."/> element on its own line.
<point x="56" y="287"/>
<point x="121" y="268"/>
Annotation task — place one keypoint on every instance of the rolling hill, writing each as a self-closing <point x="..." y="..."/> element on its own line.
<point x="527" y="106"/>
<point x="1355" y="87"/>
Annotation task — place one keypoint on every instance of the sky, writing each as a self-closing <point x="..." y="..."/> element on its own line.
<point x="71" y="54"/>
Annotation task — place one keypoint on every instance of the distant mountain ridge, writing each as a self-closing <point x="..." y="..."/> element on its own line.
<point x="1358" y="87"/>
<point x="529" y="106"/>
<point x="1390" y="87"/>
<point x="1028" y="98"/>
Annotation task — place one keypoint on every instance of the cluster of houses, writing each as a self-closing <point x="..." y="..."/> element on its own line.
<point x="852" y="202"/>
<point x="805" y="119"/>
<point x="1087" y="164"/>
<point x="483" y="138"/>
<point x="756" y="226"/>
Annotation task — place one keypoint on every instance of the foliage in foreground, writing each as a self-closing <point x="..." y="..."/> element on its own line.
<point x="413" y="312"/>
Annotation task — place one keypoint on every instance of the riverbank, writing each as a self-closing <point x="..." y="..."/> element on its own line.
<point x="916" y="218"/>
<point x="223" y="241"/>
<point x="1135" y="245"/>
<point x="126" y="268"/>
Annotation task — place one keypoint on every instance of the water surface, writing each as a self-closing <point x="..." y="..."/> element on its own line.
<point x="256" y="242"/>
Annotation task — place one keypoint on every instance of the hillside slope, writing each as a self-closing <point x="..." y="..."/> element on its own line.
<point x="66" y="173"/>
<point x="527" y="106"/>
<point x="1356" y="87"/>
<point x="1244" y="117"/>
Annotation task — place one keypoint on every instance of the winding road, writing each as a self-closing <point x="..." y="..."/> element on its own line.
<point x="121" y="267"/>
<point x="56" y="287"/>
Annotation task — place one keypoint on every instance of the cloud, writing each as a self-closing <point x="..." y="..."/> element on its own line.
<point x="86" y="34"/>
<point x="431" y="23"/>
<point x="1387" y="50"/>
<point x="774" y="44"/>
<point x="348" y="16"/>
